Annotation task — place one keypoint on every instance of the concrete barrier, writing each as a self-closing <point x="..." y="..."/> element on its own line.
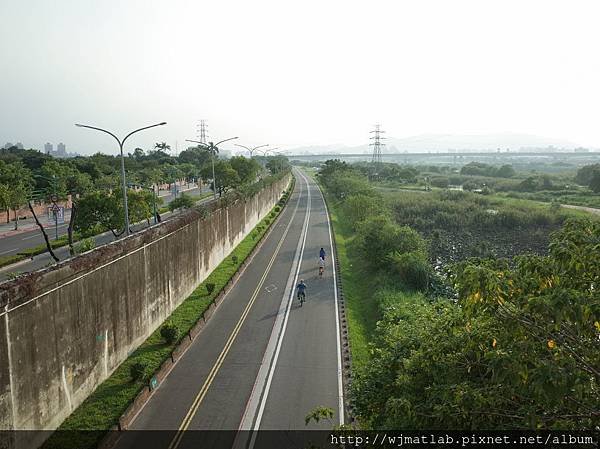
<point x="65" y="329"/>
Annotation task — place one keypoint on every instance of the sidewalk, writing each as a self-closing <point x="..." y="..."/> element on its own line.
<point x="180" y="189"/>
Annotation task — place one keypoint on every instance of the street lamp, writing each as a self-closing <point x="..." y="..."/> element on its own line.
<point x="264" y="152"/>
<point x="213" y="149"/>
<point x="121" y="142"/>
<point x="251" y="150"/>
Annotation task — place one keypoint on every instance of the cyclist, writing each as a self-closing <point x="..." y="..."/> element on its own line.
<point x="322" y="254"/>
<point x="321" y="266"/>
<point x="301" y="289"/>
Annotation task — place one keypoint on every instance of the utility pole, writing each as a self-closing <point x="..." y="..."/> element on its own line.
<point x="376" y="144"/>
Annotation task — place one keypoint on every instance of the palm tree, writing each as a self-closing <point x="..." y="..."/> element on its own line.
<point x="162" y="147"/>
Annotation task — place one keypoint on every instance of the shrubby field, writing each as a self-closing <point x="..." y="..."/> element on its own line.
<point x="508" y="339"/>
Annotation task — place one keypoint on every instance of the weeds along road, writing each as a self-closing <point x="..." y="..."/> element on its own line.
<point x="262" y="361"/>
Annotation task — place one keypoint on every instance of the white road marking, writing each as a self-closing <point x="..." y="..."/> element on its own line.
<point x="8" y="251"/>
<point x="260" y="390"/>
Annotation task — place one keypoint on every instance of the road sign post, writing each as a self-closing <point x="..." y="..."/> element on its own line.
<point x="58" y="214"/>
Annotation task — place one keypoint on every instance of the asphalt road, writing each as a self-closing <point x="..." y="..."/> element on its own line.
<point x="262" y="361"/>
<point x="11" y="245"/>
<point x="44" y="259"/>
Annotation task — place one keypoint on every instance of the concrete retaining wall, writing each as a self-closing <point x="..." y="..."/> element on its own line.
<point x="65" y="329"/>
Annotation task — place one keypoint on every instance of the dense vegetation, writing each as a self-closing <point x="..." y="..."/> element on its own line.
<point x="486" y="343"/>
<point x="94" y="183"/>
<point x="567" y="185"/>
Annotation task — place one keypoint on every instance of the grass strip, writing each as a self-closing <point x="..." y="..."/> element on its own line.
<point x="34" y="251"/>
<point x="358" y="285"/>
<point x="103" y="408"/>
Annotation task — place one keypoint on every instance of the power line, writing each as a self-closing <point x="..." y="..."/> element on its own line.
<point x="202" y="131"/>
<point x="377" y="144"/>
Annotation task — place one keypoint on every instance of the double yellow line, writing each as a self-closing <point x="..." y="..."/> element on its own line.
<point x="215" y="369"/>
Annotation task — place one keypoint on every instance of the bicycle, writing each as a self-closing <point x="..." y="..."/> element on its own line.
<point x="301" y="297"/>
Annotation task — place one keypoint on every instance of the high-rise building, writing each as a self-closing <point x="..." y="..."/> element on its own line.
<point x="61" y="150"/>
<point x="19" y="145"/>
<point x="8" y="145"/>
<point x="48" y="148"/>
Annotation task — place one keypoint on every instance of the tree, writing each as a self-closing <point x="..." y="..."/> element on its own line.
<point x="519" y="350"/>
<point x="247" y="169"/>
<point x="362" y="207"/>
<point x="277" y="164"/>
<point x="199" y="156"/>
<point x="4" y="200"/>
<point x="528" y="185"/>
<point x="99" y="211"/>
<point x="595" y="181"/>
<point x="171" y="174"/>
<point x="181" y="202"/>
<point x="162" y="147"/>
<point x="585" y="174"/>
<point x="18" y="181"/>
<point x="332" y="166"/>
<point x="379" y="238"/>
<point x="138" y="154"/>
<point x="227" y="177"/>
<point x="188" y="171"/>
<point x="506" y="171"/>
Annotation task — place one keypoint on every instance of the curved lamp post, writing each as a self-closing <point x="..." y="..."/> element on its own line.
<point x="264" y="152"/>
<point x="214" y="150"/>
<point x="252" y="150"/>
<point x="121" y="142"/>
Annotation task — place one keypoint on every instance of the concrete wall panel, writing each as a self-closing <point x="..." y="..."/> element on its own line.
<point x="65" y="329"/>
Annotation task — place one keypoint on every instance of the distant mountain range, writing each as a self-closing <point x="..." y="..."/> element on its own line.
<point x="442" y="142"/>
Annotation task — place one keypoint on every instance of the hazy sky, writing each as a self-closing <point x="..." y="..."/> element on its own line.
<point x="296" y="73"/>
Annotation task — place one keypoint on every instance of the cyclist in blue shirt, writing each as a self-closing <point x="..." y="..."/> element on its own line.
<point x="301" y="289"/>
<point x="322" y="254"/>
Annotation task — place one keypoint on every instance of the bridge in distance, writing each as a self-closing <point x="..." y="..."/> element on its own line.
<point x="454" y="155"/>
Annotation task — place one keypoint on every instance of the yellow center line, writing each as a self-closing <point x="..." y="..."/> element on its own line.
<point x="215" y="369"/>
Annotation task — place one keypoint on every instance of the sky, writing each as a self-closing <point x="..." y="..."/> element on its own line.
<point x="296" y="73"/>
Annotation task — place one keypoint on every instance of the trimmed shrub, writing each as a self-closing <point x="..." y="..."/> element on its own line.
<point x="210" y="287"/>
<point x="234" y="259"/>
<point x="169" y="332"/>
<point x="137" y="371"/>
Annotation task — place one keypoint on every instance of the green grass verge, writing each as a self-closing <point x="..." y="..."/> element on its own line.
<point x="34" y="251"/>
<point x="358" y="286"/>
<point x="102" y="409"/>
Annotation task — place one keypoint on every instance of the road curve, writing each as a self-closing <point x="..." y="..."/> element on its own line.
<point x="262" y="362"/>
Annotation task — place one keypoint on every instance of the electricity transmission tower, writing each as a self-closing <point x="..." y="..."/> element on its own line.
<point x="376" y="144"/>
<point x="201" y="131"/>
